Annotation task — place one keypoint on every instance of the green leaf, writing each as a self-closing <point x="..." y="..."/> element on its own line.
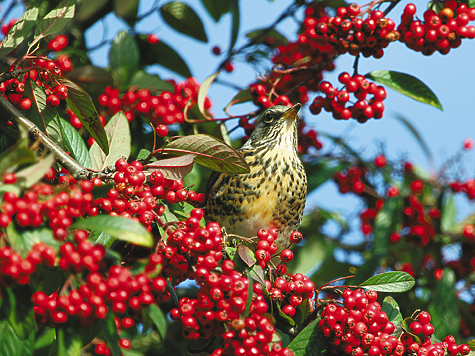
<point x="19" y="31"/>
<point x="15" y="157"/>
<point x="405" y="84"/>
<point x="159" y="320"/>
<point x="395" y="281"/>
<point x="69" y="341"/>
<point x="13" y="345"/>
<point x="183" y="19"/>
<point x="405" y="326"/>
<point x="103" y="239"/>
<point x="56" y="19"/>
<point x="162" y="54"/>
<point x="118" y="135"/>
<point x="391" y="308"/>
<point x="448" y="213"/>
<point x="216" y="8"/>
<point x="249" y="294"/>
<point x="236" y="19"/>
<point x="123" y="58"/>
<point x="109" y="331"/>
<point x="209" y="152"/>
<point x="385" y="223"/>
<point x="119" y="227"/>
<point x="263" y="36"/>
<point x="127" y="9"/>
<point x="75" y="144"/>
<point x="243" y="96"/>
<point x="309" y="342"/>
<point x="150" y="81"/>
<point x="444" y="306"/>
<point x="173" y="168"/>
<point x="33" y="174"/>
<point x="83" y="107"/>
<point x="203" y="91"/>
<point x="143" y="154"/>
<point x="41" y="114"/>
<point x="322" y="171"/>
<point x="44" y="340"/>
<point x="23" y="242"/>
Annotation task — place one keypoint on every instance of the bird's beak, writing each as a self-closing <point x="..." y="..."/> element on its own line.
<point x="292" y="113"/>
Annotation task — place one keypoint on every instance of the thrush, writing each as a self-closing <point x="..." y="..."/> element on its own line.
<point x="273" y="194"/>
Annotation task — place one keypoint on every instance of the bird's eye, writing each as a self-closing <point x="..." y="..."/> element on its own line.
<point x="268" y="118"/>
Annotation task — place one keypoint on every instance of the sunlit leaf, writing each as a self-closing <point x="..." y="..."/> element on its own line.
<point x="204" y="91"/>
<point x="391" y="308"/>
<point x="405" y="84"/>
<point x="75" y="144"/>
<point x="56" y="19"/>
<point x="385" y="223"/>
<point x="183" y="19"/>
<point x="69" y="341"/>
<point x="33" y="174"/>
<point x="394" y="281"/>
<point x="309" y="342"/>
<point x="19" y="31"/>
<point x="173" y="168"/>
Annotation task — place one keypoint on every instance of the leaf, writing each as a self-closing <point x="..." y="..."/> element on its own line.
<point x="203" y="91"/>
<point x="249" y="294"/>
<point x="75" y="144"/>
<point x="109" y="331"/>
<point x="406" y="84"/>
<point x="246" y="255"/>
<point x="162" y="54"/>
<point x="234" y="7"/>
<point x="173" y="168"/>
<point x="216" y="8"/>
<point x="33" y="174"/>
<point x="243" y="96"/>
<point x="103" y="239"/>
<point x="183" y="19"/>
<point x="123" y="58"/>
<point x="127" y="9"/>
<point x="13" y="345"/>
<point x="257" y="273"/>
<point x="19" y="31"/>
<point x="143" y="154"/>
<point x="448" y="213"/>
<point x="309" y="342"/>
<point x="118" y="135"/>
<point x="420" y="140"/>
<point x="44" y="340"/>
<point x="22" y="242"/>
<point x="56" y="19"/>
<point x="119" y="227"/>
<point x="395" y="281"/>
<point x="405" y="326"/>
<point x="391" y="308"/>
<point x="443" y="307"/>
<point x="263" y="35"/>
<point x="150" y="81"/>
<point x="385" y="223"/>
<point x="40" y="114"/>
<point x="83" y="107"/>
<point x="159" y="320"/>
<point x="69" y="341"/>
<point x="14" y="157"/>
<point x="322" y="171"/>
<point x="209" y="152"/>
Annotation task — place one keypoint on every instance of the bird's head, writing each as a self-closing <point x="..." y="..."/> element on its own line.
<point x="277" y="125"/>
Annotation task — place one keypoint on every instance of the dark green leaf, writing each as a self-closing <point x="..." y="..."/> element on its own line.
<point x="443" y="307"/>
<point x="385" y="223"/>
<point x="17" y="309"/>
<point x="88" y="334"/>
<point x="161" y="53"/>
<point x="395" y="281"/>
<point x="216" y="8"/>
<point x="92" y="79"/>
<point x="44" y="340"/>
<point x="209" y="152"/>
<point x="19" y="31"/>
<point x="242" y="96"/>
<point x="69" y="341"/>
<point x="75" y="144"/>
<point x="391" y="308"/>
<point x="150" y="81"/>
<point x="322" y="171"/>
<point x="249" y="294"/>
<point x="183" y="19"/>
<point x="268" y="36"/>
<point x="88" y="9"/>
<point x="109" y="331"/>
<point x="159" y="320"/>
<point x="420" y="140"/>
<point x="15" y="157"/>
<point x="123" y="58"/>
<point x="118" y="227"/>
<point x="118" y="135"/>
<point x="127" y="9"/>
<point x="405" y="84"/>
<point x="83" y="107"/>
<point x="41" y="114"/>
<point x="236" y="16"/>
<point x="405" y="325"/>
<point x="57" y="19"/>
<point x="309" y="342"/>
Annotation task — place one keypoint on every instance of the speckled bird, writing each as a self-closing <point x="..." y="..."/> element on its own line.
<point x="273" y="194"/>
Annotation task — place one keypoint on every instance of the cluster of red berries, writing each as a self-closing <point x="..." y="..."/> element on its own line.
<point x="120" y="291"/>
<point x="468" y="188"/>
<point x="440" y="31"/>
<point x="16" y="270"/>
<point x="266" y="246"/>
<point x="349" y="33"/>
<point x="335" y="100"/>
<point x="359" y="326"/>
<point x="218" y="310"/>
<point x="58" y="43"/>
<point x="261" y="97"/>
<point x="350" y="181"/>
<point x="290" y="292"/>
<point x="13" y="90"/>
<point x="81" y="254"/>
<point x="162" y="110"/>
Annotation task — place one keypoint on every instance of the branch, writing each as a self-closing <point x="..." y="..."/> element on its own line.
<point x="9" y="112"/>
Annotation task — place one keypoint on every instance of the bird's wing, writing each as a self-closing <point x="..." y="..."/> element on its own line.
<point x="213" y="178"/>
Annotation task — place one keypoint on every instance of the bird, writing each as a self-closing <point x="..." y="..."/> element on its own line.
<point x="274" y="192"/>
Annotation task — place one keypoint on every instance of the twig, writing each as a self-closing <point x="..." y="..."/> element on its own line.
<point x="9" y="112"/>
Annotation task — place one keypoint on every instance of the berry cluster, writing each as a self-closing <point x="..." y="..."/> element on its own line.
<point x="350" y="181"/>
<point x="335" y="100"/>
<point x="58" y="43"/>
<point x="163" y="109"/>
<point x="218" y="310"/>
<point x="262" y="99"/>
<point x="349" y="33"/>
<point x="359" y="326"/>
<point x="440" y="31"/>
<point x="468" y="187"/>
<point x="16" y="270"/>
<point x="291" y="291"/>
<point x="266" y="246"/>
<point x="13" y="91"/>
